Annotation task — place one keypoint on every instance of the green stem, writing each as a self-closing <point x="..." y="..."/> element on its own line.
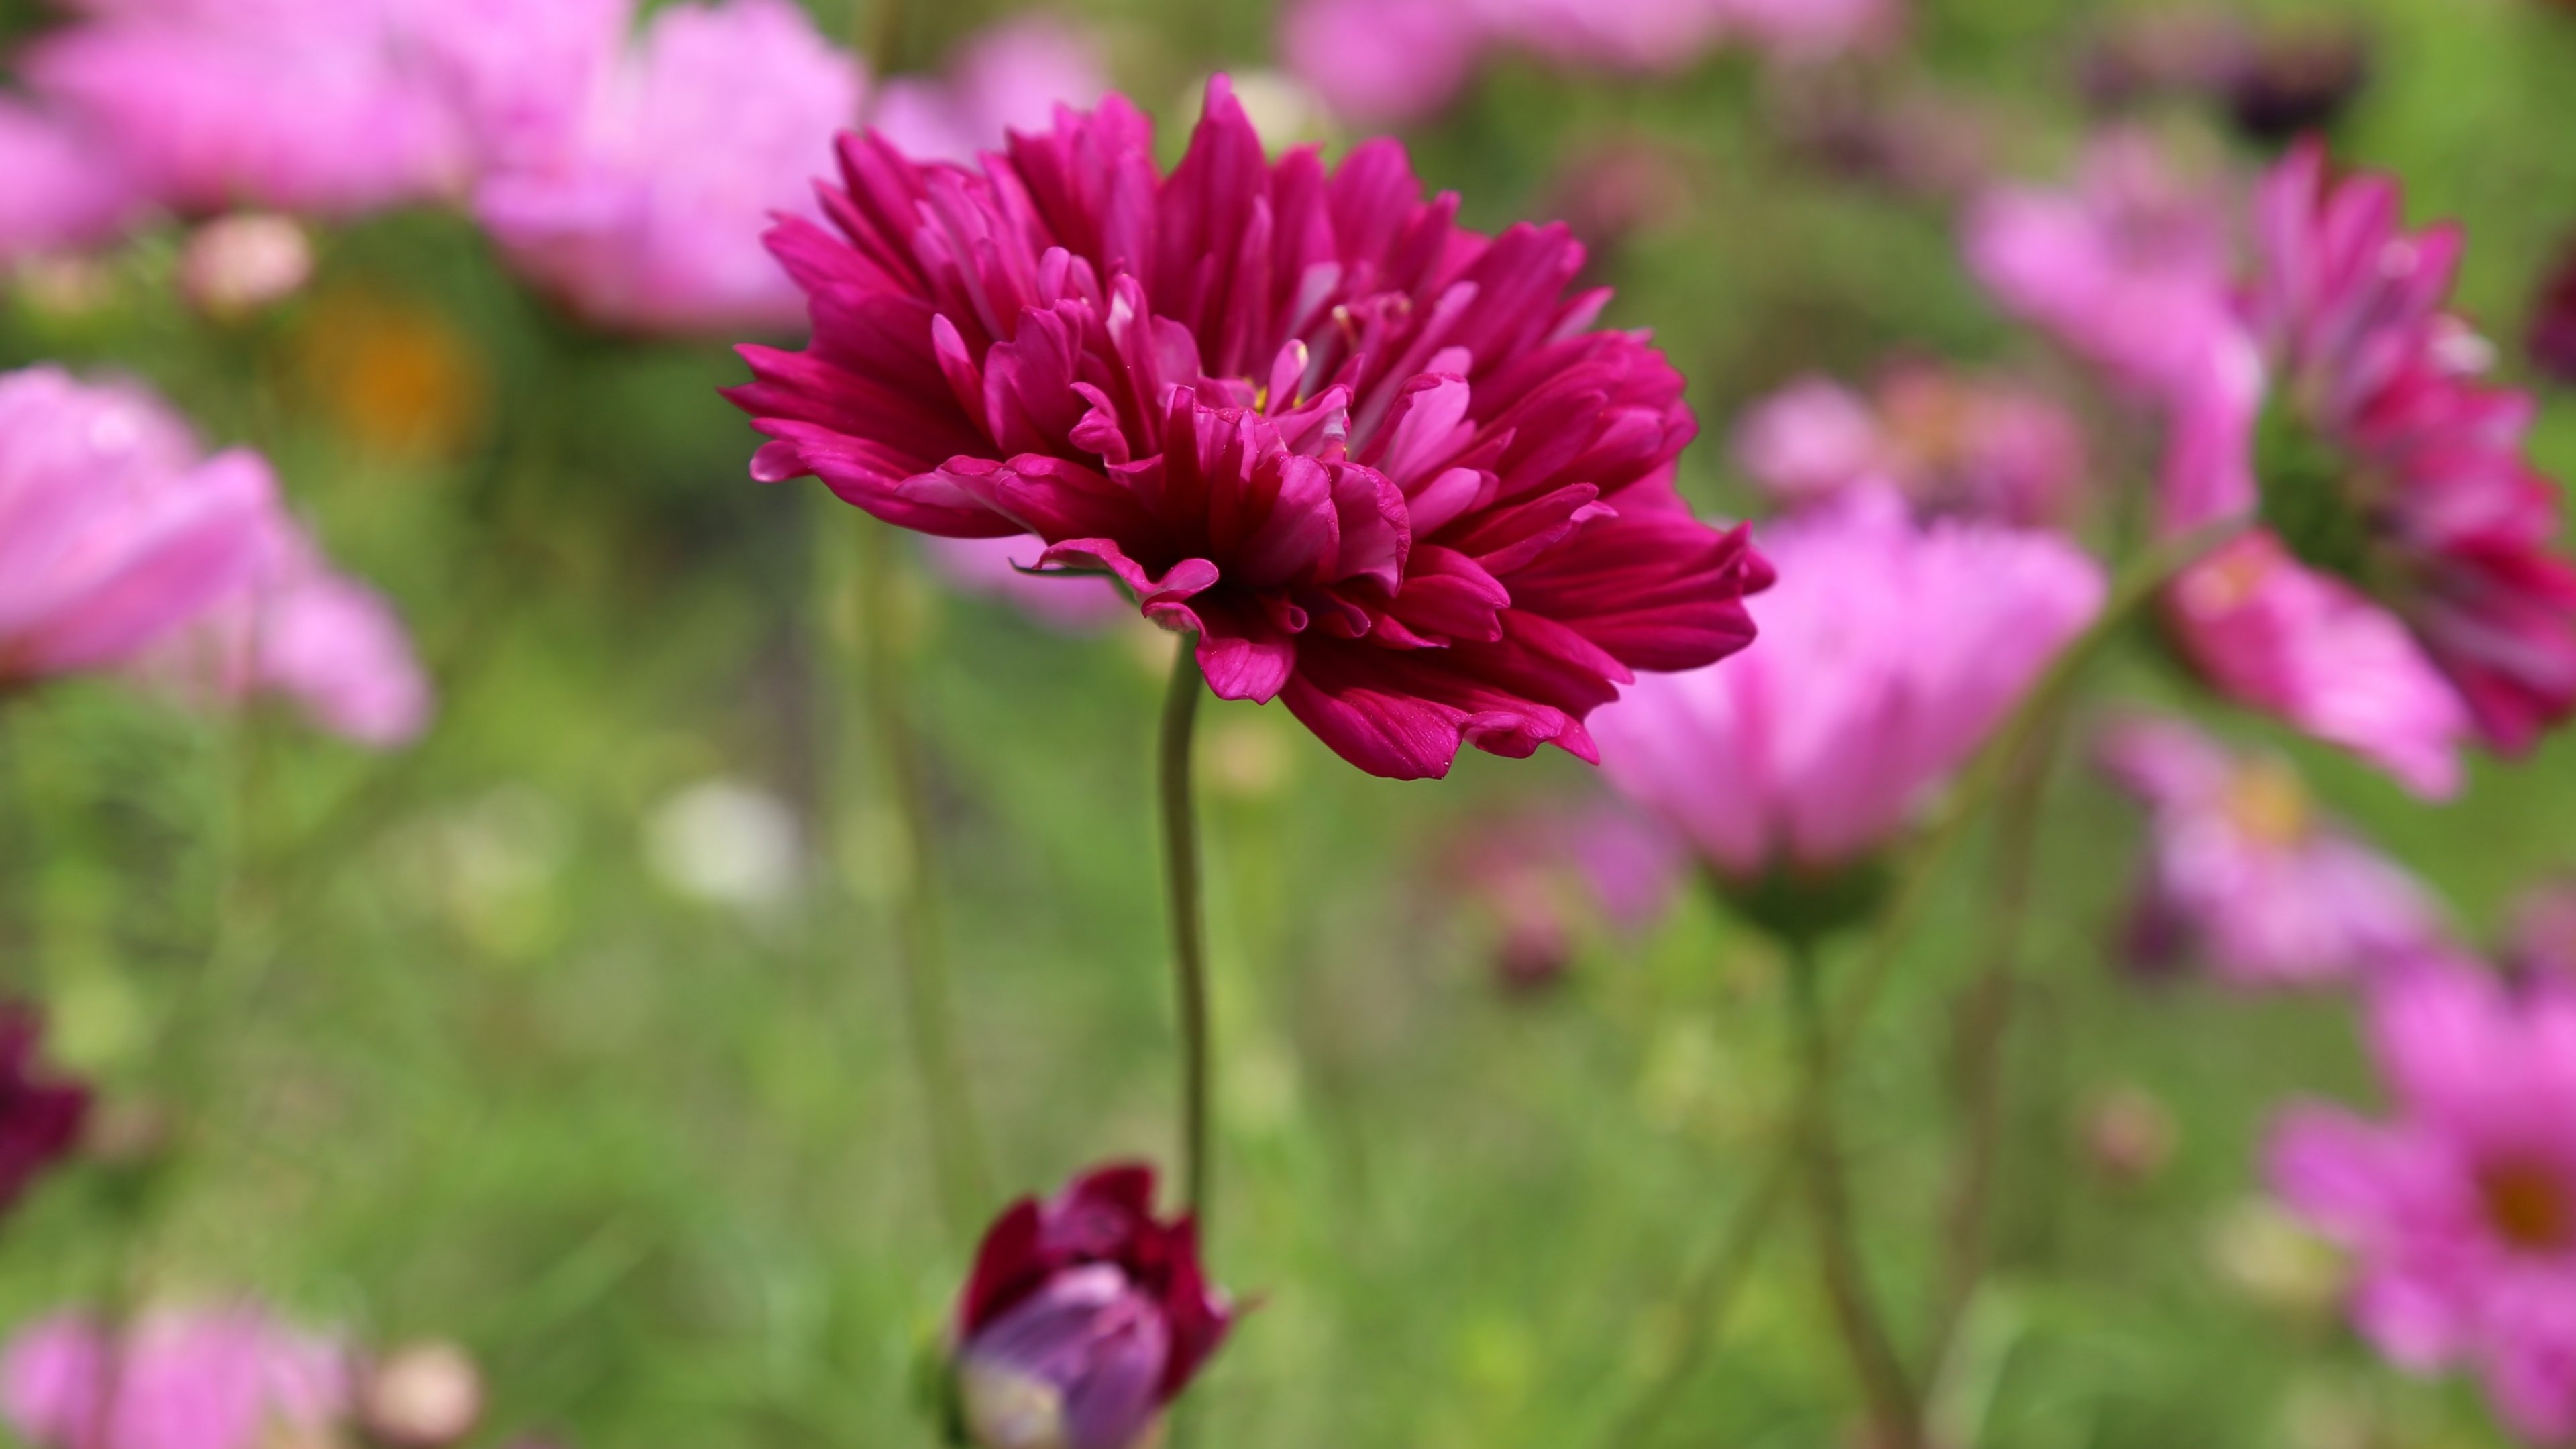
<point x="1714" y="1293"/>
<point x="1189" y="917"/>
<point x="1984" y="1034"/>
<point x="1895" y="1420"/>
<point x="956" y="1138"/>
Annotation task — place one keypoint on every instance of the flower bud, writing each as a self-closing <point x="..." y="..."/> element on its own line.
<point x="423" y="1395"/>
<point x="2129" y="1137"/>
<point x="1085" y="1318"/>
<point x="238" y="264"/>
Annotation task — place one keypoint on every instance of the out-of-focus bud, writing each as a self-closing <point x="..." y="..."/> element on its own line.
<point x="2553" y="320"/>
<point x="2297" y="81"/>
<point x="2129" y="1137"/>
<point x="2540" y="942"/>
<point x="1609" y="192"/>
<point x="127" y="1133"/>
<point x="424" y="1395"/>
<point x="1086" y="1316"/>
<point x="1913" y="142"/>
<point x="40" y="1115"/>
<point x="239" y="264"/>
<point x="1536" y="948"/>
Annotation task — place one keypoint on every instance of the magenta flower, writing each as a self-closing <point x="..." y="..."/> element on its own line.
<point x="2248" y="875"/>
<point x="1010" y="77"/>
<point x="40" y="1117"/>
<point x="2408" y="476"/>
<point x="1006" y="569"/>
<point x="1383" y="467"/>
<point x="1889" y="651"/>
<point x="231" y="1378"/>
<point x="2129" y="269"/>
<point x="1949" y="443"/>
<point x="300" y="629"/>
<point x="2553" y="321"/>
<point x="645" y="212"/>
<point x="1085" y="1317"/>
<point x="66" y="192"/>
<point x="305" y="105"/>
<point x="114" y="531"/>
<point x="2460" y="1208"/>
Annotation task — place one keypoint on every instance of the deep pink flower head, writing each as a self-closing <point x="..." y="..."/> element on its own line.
<point x="2461" y="1207"/>
<point x="1010" y="77"/>
<point x="1889" y="651"/>
<point x="2129" y="269"/>
<point x="646" y="212"/>
<point x="40" y="1116"/>
<point x="1086" y="1315"/>
<point x="2248" y="875"/>
<point x="1383" y="466"/>
<point x="309" y="105"/>
<point x="66" y="191"/>
<point x="2553" y="321"/>
<point x="114" y="531"/>
<point x="224" y="1378"/>
<point x="1950" y="443"/>
<point x="301" y="629"/>
<point x="1006" y="569"/>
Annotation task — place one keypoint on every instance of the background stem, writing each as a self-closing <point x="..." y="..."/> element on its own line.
<point x="1892" y="1405"/>
<point x="1189" y="918"/>
<point x="956" y="1138"/>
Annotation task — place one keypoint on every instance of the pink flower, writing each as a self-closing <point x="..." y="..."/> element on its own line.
<point x="312" y="105"/>
<point x="114" y="531"/>
<point x="175" y="1379"/>
<point x="1382" y="466"/>
<point x="40" y="1117"/>
<point x="1010" y="77"/>
<point x="1004" y="568"/>
<point x="1382" y="61"/>
<point x="1889" y="651"/>
<point x="2461" y="1208"/>
<point x="300" y="629"/>
<point x="2390" y="464"/>
<point x="66" y="192"/>
<point x="645" y="213"/>
<point x="1085" y="1317"/>
<point x="2248" y="874"/>
<point x="2130" y="269"/>
<point x="1949" y="443"/>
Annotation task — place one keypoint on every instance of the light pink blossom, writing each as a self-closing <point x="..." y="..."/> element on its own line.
<point x="1006" y="568"/>
<point x="1948" y="442"/>
<point x="66" y="191"/>
<point x="306" y="105"/>
<point x="2460" y="1207"/>
<point x="647" y="212"/>
<point x="1888" y="651"/>
<point x="115" y="532"/>
<point x="2246" y="872"/>
<point x="1010" y="77"/>
<point x="217" y="1378"/>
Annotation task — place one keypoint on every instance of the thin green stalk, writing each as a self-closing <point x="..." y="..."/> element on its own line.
<point x="2137" y="585"/>
<point x="956" y="1136"/>
<point x="1984" y="1036"/>
<point x="1189" y="917"/>
<point x="1895" y="1418"/>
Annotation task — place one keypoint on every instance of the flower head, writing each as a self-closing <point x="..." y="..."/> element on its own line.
<point x="641" y="208"/>
<point x="2249" y="874"/>
<point x="305" y="105"/>
<point x="1889" y="650"/>
<point x="114" y="531"/>
<point x="2460" y="1208"/>
<point x="1085" y="1316"/>
<point x="40" y="1118"/>
<point x="216" y="1378"/>
<point x="1949" y="443"/>
<point x="1382" y="466"/>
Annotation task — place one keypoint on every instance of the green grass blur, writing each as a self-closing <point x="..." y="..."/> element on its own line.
<point x="439" y="1052"/>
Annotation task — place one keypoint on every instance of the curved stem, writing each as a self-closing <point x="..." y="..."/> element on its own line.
<point x="2137" y="585"/>
<point x="1894" y="1418"/>
<point x="1189" y="917"/>
<point x="956" y="1137"/>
